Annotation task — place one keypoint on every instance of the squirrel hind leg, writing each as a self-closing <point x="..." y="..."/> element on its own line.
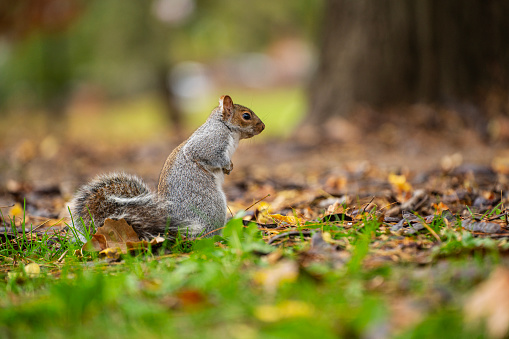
<point x="148" y="216"/>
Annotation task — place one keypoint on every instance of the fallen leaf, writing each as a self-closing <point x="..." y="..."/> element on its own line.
<point x="284" y="310"/>
<point x="191" y="298"/>
<point x="501" y="164"/>
<point x="113" y="234"/>
<point x="96" y="244"/>
<point x="16" y="210"/>
<point x="111" y="253"/>
<point x="440" y="207"/>
<point x="133" y="246"/>
<point x="33" y="270"/>
<point x="288" y="219"/>
<point x="399" y="182"/>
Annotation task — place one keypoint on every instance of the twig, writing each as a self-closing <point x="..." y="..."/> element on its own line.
<point x="290" y="233"/>
<point x="62" y="256"/>
<point x="217" y="229"/>
<point x="230" y="210"/>
<point x="388" y="205"/>
<point x="496" y="216"/>
<point x="45" y="222"/>
<point x="362" y="211"/>
<point x="265" y="197"/>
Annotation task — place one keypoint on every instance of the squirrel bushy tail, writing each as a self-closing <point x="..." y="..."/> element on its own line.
<point x="122" y="196"/>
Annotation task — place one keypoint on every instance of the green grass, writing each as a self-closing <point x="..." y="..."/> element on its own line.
<point x="221" y="287"/>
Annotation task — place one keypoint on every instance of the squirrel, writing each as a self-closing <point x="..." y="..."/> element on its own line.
<point x="189" y="198"/>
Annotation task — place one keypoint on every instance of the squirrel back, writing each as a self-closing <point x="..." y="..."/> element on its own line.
<point x="190" y="197"/>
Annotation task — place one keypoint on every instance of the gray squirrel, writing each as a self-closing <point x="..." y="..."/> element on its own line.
<point x="189" y="198"/>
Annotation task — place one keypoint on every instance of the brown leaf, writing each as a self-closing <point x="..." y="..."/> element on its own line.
<point x="113" y="234"/>
<point x="191" y="298"/>
<point x="134" y="246"/>
<point x="96" y="244"/>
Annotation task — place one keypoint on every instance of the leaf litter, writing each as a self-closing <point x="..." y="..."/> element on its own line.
<point x="404" y="217"/>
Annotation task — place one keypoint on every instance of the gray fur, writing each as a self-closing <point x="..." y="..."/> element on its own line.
<point x="190" y="197"/>
<point x="194" y="181"/>
<point x="117" y="196"/>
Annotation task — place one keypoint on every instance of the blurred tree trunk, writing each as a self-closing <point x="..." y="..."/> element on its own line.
<point x="172" y="109"/>
<point x="402" y="51"/>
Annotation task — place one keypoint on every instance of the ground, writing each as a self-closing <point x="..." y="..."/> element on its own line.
<point x="372" y="227"/>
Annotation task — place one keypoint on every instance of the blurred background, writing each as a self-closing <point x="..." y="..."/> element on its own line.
<point x="147" y="67"/>
<point x="103" y="82"/>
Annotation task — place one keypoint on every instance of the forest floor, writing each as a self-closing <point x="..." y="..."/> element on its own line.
<point x="368" y="229"/>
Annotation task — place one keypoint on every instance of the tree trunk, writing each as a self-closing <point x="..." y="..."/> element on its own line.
<point x="389" y="52"/>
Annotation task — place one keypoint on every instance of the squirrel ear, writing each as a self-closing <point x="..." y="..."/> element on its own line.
<point x="226" y="105"/>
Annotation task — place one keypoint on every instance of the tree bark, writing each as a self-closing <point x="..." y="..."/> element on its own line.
<point x="388" y="52"/>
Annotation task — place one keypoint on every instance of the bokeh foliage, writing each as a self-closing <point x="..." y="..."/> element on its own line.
<point x="120" y="46"/>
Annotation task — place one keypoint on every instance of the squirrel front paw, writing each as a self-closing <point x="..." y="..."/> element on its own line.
<point x="227" y="170"/>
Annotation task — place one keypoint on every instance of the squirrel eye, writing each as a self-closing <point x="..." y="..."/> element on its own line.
<point x="246" y="116"/>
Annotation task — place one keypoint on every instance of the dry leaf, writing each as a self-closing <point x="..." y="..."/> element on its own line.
<point x="111" y="253"/>
<point x="399" y="182"/>
<point x="16" y="210"/>
<point x="285" y="310"/>
<point x="96" y="244"/>
<point x="133" y="246"/>
<point x="113" y="234"/>
<point x="440" y="207"/>
<point x="33" y="270"/>
<point x="191" y="298"/>
<point x="490" y="302"/>
<point x="288" y="219"/>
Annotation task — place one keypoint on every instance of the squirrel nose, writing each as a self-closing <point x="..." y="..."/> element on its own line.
<point x="262" y="126"/>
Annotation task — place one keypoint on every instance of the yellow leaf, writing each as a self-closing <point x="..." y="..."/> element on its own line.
<point x="16" y="210"/>
<point x="327" y="237"/>
<point x="288" y="219"/>
<point x="399" y="182"/>
<point x="285" y="310"/>
<point x="33" y="270"/>
<point x="263" y="206"/>
<point x="111" y="253"/>
<point x="264" y="210"/>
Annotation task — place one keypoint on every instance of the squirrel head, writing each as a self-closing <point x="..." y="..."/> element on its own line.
<point x="239" y="118"/>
